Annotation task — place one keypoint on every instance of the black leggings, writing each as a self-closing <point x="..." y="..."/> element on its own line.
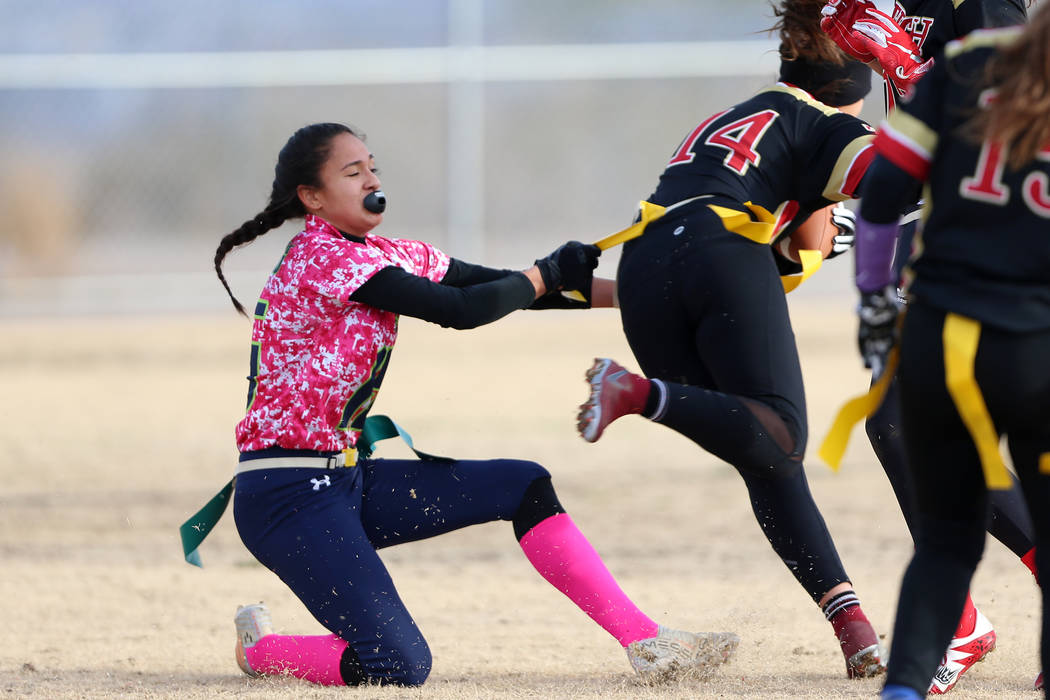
<point x="950" y="495"/>
<point x="704" y="310"/>
<point x="1008" y="519"/>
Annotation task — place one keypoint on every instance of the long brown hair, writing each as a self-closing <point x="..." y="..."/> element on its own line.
<point x="798" y="25"/>
<point x="1020" y="73"/>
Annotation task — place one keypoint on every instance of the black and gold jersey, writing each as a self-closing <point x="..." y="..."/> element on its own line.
<point x="984" y="249"/>
<point x="781" y="149"/>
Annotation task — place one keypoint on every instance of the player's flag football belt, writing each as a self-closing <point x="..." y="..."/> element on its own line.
<point x="756" y="224"/>
<point x="376" y="428"/>
<point x="960" y="338"/>
<point x="277" y="458"/>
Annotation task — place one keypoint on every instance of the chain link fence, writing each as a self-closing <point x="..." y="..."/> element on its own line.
<point x="113" y="198"/>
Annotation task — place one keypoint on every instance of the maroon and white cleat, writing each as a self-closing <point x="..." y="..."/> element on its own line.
<point x="615" y="392"/>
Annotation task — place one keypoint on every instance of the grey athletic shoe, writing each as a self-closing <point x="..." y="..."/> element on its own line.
<point x="253" y="623"/>
<point x="676" y="654"/>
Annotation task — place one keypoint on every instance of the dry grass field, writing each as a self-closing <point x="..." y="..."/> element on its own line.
<point x="115" y="430"/>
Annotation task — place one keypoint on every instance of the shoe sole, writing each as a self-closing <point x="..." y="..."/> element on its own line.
<point x="713" y="650"/>
<point x="935" y="690"/>
<point x="589" y="419"/>
<point x="866" y="663"/>
<point x="248" y="629"/>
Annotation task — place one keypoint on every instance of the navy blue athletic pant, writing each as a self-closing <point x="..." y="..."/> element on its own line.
<point x="704" y="310"/>
<point x="321" y="540"/>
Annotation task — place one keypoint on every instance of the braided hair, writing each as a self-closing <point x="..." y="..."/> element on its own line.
<point x="299" y="163"/>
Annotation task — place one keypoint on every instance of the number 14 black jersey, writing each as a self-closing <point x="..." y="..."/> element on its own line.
<point x="781" y="149"/>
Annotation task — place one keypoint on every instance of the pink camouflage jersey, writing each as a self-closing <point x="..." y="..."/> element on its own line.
<point x="317" y="358"/>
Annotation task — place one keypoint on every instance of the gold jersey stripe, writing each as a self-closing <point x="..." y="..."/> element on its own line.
<point x="912" y="133"/>
<point x="997" y="36"/>
<point x="802" y="96"/>
<point x="837" y="181"/>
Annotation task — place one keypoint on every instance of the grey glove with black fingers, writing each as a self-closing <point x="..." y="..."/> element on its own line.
<point x="877" y="334"/>
<point x="845" y="222"/>
<point x="571" y="266"/>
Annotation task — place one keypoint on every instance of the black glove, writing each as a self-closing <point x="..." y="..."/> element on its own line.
<point x="877" y="334"/>
<point x="846" y="223"/>
<point x="570" y="267"/>
<point x="559" y="300"/>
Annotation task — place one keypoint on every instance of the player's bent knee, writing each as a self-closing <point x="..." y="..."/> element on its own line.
<point x="776" y="427"/>
<point x="537" y="504"/>
<point x="407" y="664"/>
<point x="527" y="471"/>
<point x="417" y="666"/>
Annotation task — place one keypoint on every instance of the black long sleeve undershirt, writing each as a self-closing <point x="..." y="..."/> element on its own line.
<point x="467" y="297"/>
<point x="887" y="191"/>
<point x="464" y="274"/>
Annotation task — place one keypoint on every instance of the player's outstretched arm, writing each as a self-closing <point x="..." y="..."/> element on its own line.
<point x="603" y="293"/>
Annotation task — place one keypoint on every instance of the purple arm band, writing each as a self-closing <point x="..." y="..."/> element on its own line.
<point x="874" y="254"/>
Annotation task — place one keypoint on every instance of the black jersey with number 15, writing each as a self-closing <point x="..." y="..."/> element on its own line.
<point x="781" y="149"/>
<point x="984" y="248"/>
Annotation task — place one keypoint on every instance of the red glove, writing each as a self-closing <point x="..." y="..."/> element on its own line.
<point x="837" y="18"/>
<point x="866" y="33"/>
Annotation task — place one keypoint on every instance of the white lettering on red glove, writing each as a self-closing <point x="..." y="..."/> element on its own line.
<point x="837" y="19"/>
<point x="866" y="33"/>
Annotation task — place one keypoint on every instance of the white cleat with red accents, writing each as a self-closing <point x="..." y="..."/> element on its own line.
<point x="963" y="652"/>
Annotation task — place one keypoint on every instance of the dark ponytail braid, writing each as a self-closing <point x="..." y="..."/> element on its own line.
<point x="299" y="163"/>
<point x="242" y="235"/>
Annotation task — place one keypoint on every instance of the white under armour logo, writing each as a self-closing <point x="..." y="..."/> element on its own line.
<point x="318" y="483"/>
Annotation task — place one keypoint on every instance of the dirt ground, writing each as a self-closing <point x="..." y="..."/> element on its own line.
<point x="115" y="430"/>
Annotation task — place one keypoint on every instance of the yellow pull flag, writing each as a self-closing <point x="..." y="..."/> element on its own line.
<point x="740" y="222"/>
<point x="650" y="212"/>
<point x="961" y="337"/>
<point x="811" y="261"/>
<point x="854" y="411"/>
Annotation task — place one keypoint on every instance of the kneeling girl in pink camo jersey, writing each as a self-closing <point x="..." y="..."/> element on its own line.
<point x="311" y="511"/>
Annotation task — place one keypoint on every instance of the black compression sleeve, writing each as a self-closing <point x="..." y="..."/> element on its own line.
<point x="393" y="289"/>
<point x="463" y="274"/>
<point x="887" y="192"/>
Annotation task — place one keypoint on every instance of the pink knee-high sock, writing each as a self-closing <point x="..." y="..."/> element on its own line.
<point x="313" y="658"/>
<point x="564" y="557"/>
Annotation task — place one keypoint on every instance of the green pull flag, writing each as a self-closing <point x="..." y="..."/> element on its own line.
<point x="193" y="531"/>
